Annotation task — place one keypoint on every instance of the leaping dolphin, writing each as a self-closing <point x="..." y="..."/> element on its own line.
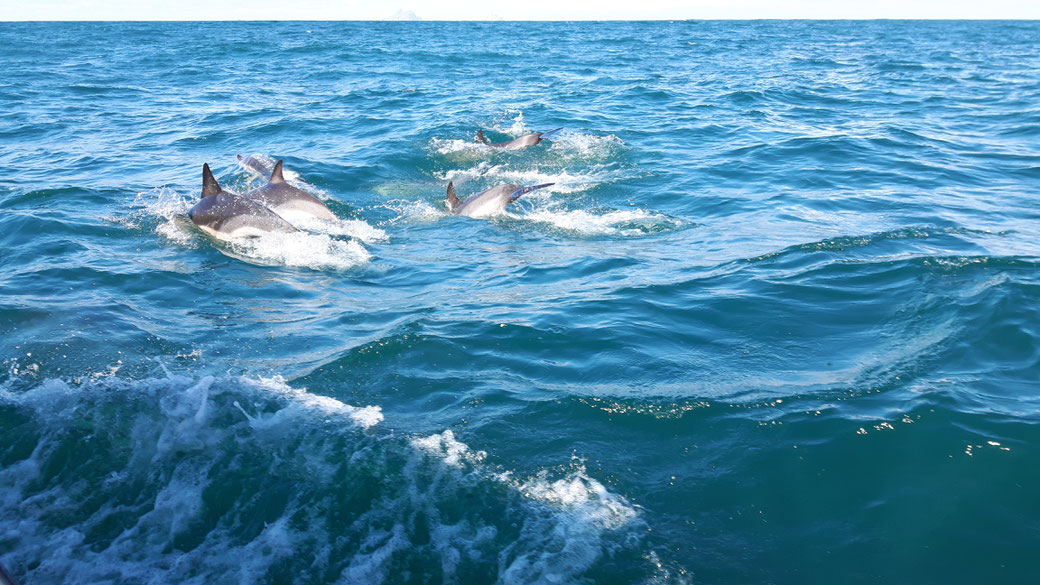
<point x="488" y="202"/>
<point x="226" y="215"/>
<point x="288" y="201"/>
<point x="517" y="143"/>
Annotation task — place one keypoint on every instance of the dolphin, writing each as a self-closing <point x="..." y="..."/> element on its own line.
<point x="226" y="215"/>
<point x="517" y="143"/>
<point x="288" y="201"/>
<point x="488" y="202"/>
<point x="259" y="165"/>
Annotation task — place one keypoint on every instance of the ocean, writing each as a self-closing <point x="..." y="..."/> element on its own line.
<point x="776" y="321"/>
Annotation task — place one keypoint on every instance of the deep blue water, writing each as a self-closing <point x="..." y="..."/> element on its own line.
<point x="777" y="321"/>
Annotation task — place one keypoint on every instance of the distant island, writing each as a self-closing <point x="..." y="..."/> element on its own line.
<point x="403" y="15"/>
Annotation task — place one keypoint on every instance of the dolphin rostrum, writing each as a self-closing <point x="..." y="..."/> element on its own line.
<point x="288" y="201"/>
<point x="225" y="215"/>
<point x="517" y="143"/>
<point x="488" y="202"/>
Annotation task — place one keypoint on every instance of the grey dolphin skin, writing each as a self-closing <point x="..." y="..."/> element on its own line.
<point x="225" y="215"/>
<point x="288" y="201"/>
<point x="6" y="578"/>
<point x="257" y="165"/>
<point x="488" y="202"/>
<point x="518" y="143"/>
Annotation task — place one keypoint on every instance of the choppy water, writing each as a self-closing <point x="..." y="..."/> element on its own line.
<point x="778" y="320"/>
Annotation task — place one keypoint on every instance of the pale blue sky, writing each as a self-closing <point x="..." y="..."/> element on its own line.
<point x="522" y="10"/>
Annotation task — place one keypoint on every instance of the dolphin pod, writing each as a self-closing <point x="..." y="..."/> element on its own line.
<point x="226" y="215"/>
<point x="487" y="202"/>
<point x="517" y="143"/>
<point x="267" y="209"/>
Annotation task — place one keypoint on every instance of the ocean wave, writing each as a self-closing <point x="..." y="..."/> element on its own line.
<point x="206" y="479"/>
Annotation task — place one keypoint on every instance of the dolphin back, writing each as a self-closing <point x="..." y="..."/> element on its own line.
<point x="283" y="198"/>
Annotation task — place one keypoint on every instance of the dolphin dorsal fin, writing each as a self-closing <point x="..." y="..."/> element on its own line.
<point x="210" y="186"/>
<point x="480" y="137"/>
<point x="453" y="199"/>
<point x="276" y="174"/>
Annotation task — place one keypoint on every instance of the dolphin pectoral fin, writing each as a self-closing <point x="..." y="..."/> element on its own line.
<point x="550" y="133"/>
<point x="524" y="190"/>
<point x="276" y="174"/>
<point x="453" y="199"/>
<point x="480" y="137"/>
<point x="210" y="186"/>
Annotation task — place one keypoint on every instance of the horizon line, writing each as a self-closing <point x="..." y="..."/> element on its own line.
<point x="669" y="20"/>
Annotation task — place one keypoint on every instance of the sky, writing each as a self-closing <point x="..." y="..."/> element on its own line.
<point x="517" y="10"/>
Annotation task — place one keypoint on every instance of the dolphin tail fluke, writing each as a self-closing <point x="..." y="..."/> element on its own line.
<point x="210" y="186"/>
<point x="550" y="133"/>
<point x="480" y="137"/>
<point x="453" y="199"/>
<point x="276" y="174"/>
<point x="525" y="190"/>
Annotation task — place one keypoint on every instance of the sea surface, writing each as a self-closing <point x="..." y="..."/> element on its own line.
<point x="776" y="321"/>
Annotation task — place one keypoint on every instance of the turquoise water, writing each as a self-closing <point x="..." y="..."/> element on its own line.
<point x="777" y="321"/>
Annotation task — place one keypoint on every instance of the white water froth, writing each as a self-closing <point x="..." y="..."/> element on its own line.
<point x="570" y="518"/>
<point x="165" y="442"/>
<point x="301" y="249"/>
<point x="231" y="480"/>
<point x="626" y="223"/>
<point x="574" y="145"/>
<point x="354" y="228"/>
<point x="422" y="211"/>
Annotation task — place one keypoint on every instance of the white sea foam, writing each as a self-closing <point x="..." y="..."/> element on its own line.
<point x="237" y="480"/>
<point x="564" y="534"/>
<point x="355" y="228"/>
<point x="300" y="249"/>
<point x="627" y="223"/>
<point x="415" y="211"/>
<point x="515" y="119"/>
<point x="170" y="208"/>
<point x="457" y="146"/>
<point x="576" y="145"/>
